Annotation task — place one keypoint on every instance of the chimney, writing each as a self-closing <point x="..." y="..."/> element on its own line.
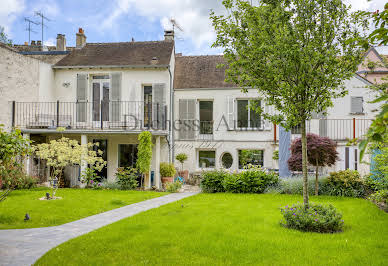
<point x="154" y="61"/>
<point x="169" y="35"/>
<point x="61" y="42"/>
<point x="39" y="43"/>
<point x="33" y="43"/>
<point x="26" y="43"/>
<point x="80" y="38"/>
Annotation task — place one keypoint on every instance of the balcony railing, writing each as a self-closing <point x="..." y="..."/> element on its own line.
<point x="104" y="115"/>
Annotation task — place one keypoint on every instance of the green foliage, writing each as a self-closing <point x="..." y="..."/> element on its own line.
<point x="173" y="187"/>
<point x="167" y="170"/>
<point x="380" y="34"/>
<point x="127" y="178"/>
<point x="110" y="185"/>
<point x="12" y="144"/>
<point x="212" y="181"/>
<point x="294" y="185"/>
<point x="275" y="155"/>
<point x="89" y="177"/>
<point x="380" y="196"/>
<point x="346" y="183"/>
<point x="144" y="153"/>
<point x="315" y="218"/>
<point x="4" y="37"/>
<point x="13" y="177"/>
<point x="181" y="157"/>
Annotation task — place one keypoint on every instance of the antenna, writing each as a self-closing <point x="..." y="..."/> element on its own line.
<point x="29" y="27"/>
<point x="40" y="14"/>
<point x="175" y="24"/>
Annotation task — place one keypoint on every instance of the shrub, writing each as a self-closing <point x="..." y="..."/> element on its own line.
<point x="173" y="187"/>
<point x="127" y="177"/>
<point x="110" y="185"/>
<point x="316" y="218"/>
<point x="294" y="185"/>
<point x="380" y="196"/>
<point x="181" y="157"/>
<point x="252" y="180"/>
<point x="14" y="177"/>
<point x="167" y="170"/>
<point x="212" y="181"/>
<point x="346" y="183"/>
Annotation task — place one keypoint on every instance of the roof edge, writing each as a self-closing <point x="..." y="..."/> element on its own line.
<point x="113" y="66"/>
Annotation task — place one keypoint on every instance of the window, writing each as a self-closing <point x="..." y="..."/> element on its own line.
<point x="246" y="115"/>
<point x="253" y="157"/>
<point x="356" y="105"/>
<point x="207" y="159"/>
<point x="227" y="160"/>
<point x="355" y="159"/>
<point x="147" y="106"/>
<point x="127" y="155"/>
<point x="206" y="117"/>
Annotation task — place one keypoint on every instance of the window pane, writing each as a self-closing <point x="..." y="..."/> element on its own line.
<point x="206" y="117"/>
<point x="207" y="159"/>
<point x="255" y="120"/>
<point x="253" y="157"/>
<point x="101" y="77"/>
<point x="227" y="160"/>
<point x="127" y="155"/>
<point x="242" y="113"/>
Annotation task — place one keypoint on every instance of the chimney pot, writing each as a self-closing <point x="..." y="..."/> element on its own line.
<point x="61" y="42"/>
<point x="33" y="43"/>
<point x="80" y="38"/>
<point x="169" y="35"/>
<point x="39" y="43"/>
<point x="25" y="43"/>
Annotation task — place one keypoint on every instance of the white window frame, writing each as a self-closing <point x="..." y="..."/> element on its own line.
<point x="238" y="156"/>
<point x="249" y="114"/>
<point x="215" y="160"/>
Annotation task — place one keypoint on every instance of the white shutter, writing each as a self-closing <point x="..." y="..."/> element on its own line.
<point x="356" y="105"/>
<point x="115" y="96"/>
<point x="187" y="119"/>
<point x="267" y="123"/>
<point x="159" y="100"/>
<point x="230" y="113"/>
<point x="82" y="97"/>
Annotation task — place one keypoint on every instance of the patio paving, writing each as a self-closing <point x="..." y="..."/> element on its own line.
<point x="25" y="246"/>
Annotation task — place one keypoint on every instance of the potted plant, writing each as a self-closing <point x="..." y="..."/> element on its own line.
<point x="167" y="172"/>
<point x="182" y="157"/>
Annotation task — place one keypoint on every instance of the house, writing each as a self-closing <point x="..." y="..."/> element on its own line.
<point x="110" y="92"/>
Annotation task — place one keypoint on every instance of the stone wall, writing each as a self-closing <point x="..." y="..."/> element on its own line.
<point x="19" y="81"/>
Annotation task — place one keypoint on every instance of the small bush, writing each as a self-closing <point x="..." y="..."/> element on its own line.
<point x="14" y="177"/>
<point x="167" y="170"/>
<point x="380" y="196"/>
<point x="127" y="177"/>
<point x="294" y="185"/>
<point x="212" y="181"/>
<point x="316" y="218"/>
<point x="110" y="185"/>
<point x="346" y="183"/>
<point x="173" y="187"/>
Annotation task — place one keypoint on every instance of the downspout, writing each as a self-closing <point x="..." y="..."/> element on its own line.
<point x="171" y="142"/>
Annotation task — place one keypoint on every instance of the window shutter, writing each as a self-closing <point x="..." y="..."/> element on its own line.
<point x="115" y="96"/>
<point x="267" y="123"/>
<point x="159" y="100"/>
<point x="81" y="97"/>
<point x="356" y="105"/>
<point x="323" y="127"/>
<point x="187" y="119"/>
<point x="231" y="113"/>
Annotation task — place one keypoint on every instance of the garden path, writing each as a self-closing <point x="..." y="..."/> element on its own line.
<point x="25" y="246"/>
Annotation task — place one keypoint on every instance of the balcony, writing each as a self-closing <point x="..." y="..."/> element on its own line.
<point x="104" y="115"/>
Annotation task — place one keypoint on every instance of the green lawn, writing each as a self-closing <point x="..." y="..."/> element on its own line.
<point x="218" y="229"/>
<point x="75" y="204"/>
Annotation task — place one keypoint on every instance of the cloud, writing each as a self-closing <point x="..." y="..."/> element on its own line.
<point x="50" y="42"/>
<point x="9" y="11"/>
<point x="49" y="8"/>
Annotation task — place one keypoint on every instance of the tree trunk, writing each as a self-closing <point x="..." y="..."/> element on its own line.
<point x="316" y="180"/>
<point x="304" y="166"/>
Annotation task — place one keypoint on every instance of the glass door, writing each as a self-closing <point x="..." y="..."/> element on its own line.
<point x="100" y="98"/>
<point x="147" y="106"/>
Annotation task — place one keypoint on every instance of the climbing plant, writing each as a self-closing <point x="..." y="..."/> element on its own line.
<point x="144" y="153"/>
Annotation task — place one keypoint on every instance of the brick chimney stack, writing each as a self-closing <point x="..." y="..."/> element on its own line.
<point x="169" y="35"/>
<point x="80" y="38"/>
<point x="61" y="42"/>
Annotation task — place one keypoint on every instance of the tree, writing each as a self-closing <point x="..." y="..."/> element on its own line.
<point x="181" y="157"/>
<point x="4" y="37"/>
<point x="67" y="152"/>
<point x="321" y="151"/>
<point x="296" y="53"/>
<point x="144" y="153"/>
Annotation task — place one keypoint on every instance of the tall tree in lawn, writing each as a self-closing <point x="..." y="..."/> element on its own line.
<point x="321" y="151"/>
<point x="144" y="154"/>
<point x="296" y="53"/>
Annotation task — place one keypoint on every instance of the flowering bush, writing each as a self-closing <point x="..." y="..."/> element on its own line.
<point x="316" y="218"/>
<point x="127" y="177"/>
<point x="14" y="177"/>
<point x="173" y="187"/>
<point x="90" y="178"/>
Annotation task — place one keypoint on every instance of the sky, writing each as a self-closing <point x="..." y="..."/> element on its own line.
<point x="122" y="20"/>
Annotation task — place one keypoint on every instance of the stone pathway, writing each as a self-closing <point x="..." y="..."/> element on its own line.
<point x="25" y="246"/>
<point x="189" y="188"/>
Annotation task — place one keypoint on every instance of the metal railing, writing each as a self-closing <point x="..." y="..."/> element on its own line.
<point x="119" y="115"/>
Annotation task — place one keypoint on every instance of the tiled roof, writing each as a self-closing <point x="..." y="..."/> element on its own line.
<point x="120" y="54"/>
<point x="200" y="72"/>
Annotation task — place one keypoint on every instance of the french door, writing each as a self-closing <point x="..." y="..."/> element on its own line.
<point x="100" y="94"/>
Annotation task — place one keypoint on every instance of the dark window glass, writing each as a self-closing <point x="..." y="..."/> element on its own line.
<point x="227" y="160"/>
<point x="147" y="106"/>
<point x="206" y="117"/>
<point x="242" y="113"/>
<point x="127" y="155"/>
<point x="254" y="117"/>
<point x="207" y="159"/>
<point x="253" y="157"/>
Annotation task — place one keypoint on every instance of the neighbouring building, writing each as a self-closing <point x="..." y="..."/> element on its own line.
<point x="110" y="92"/>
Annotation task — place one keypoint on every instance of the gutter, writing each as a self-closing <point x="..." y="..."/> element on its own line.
<point x="112" y="66"/>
